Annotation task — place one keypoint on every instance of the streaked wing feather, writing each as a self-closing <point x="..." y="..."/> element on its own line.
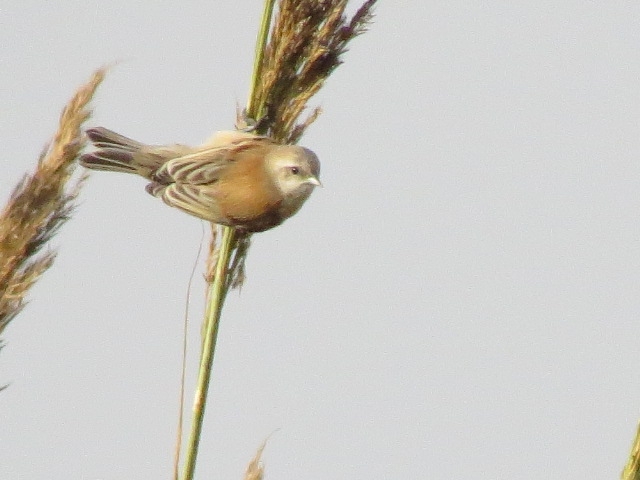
<point x="198" y="168"/>
<point x="195" y="200"/>
<point x="204" y="165"/>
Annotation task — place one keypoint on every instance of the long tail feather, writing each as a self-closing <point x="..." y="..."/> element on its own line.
<point x="104" y="138"/>
<point x="109" y="159"/>
<point x="115" y="152"/>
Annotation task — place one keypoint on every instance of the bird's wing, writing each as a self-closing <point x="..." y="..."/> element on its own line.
<point x="198" y="168"/>
<point x="194" y="200"/>
<point x="223" y="184"/>
<point x="205" y="164"/>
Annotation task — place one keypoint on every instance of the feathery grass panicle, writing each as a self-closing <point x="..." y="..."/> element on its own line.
<point x="40" y="204"/>
<point x="307" y="42"/>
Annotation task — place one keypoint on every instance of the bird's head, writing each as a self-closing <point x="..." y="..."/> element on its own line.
<point x="295" y="170"/>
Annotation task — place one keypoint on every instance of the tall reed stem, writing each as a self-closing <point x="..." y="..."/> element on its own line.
<point x="219" y="287"/>
<point x="255" y="111"/>
<point x="632" y="468"/>
<point x="212" y="322"/>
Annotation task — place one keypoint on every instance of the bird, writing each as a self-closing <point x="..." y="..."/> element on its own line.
<point x="236" y="178"/>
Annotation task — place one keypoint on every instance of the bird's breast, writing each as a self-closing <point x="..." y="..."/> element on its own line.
<point x="247" y="197"/>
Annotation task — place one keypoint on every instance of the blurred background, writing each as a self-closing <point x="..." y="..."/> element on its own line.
<point x="462" y="299"/>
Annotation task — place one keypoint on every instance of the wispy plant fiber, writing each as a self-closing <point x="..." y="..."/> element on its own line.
<point x="255" y="469"/>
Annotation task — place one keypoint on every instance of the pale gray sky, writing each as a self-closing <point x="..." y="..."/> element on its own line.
<point x="462" y="299"/>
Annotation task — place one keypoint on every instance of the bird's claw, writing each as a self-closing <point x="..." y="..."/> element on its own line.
<point x="246" y="124"/>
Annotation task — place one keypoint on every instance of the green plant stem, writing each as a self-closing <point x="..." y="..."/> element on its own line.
<point x="219" y="286"/>
<point x="632" y="469"/>
<point x="253" y="110"/>
<point x="212" y="322"/>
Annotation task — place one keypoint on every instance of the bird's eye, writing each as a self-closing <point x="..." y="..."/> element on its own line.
<point x="295" y="170"/>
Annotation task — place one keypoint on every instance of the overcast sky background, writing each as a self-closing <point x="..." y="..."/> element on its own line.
<point x="462" y="299"/>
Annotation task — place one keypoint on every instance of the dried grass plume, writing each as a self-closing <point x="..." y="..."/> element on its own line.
<point x="306" y="45"/>
<point x="40" y="204"/>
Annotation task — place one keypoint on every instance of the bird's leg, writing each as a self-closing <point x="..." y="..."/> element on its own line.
<point x="250" y="125"/>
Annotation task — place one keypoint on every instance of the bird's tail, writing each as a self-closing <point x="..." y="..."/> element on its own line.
<point x="117" y="153"/>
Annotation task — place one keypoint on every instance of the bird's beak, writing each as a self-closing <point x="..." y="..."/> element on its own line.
<point x="314" y="181"/>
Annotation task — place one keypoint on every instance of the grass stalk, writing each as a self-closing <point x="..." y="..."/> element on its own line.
<point x="220" y="285"/>
<point x="295" y="54"/>
<point x="212" y="322"/>
<point x="632" y="468"/>
<point x="253" y="109"/>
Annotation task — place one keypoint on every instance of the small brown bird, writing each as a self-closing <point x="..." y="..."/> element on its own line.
<point x="236" y="179"/>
